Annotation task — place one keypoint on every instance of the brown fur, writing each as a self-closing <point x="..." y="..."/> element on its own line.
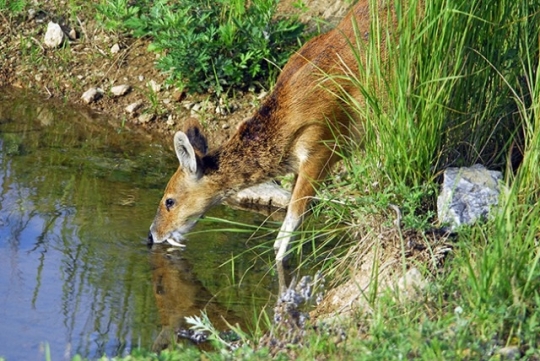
<point x="294" y="131"/>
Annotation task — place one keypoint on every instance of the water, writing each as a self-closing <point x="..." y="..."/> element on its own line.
<point x="77" y="195"/>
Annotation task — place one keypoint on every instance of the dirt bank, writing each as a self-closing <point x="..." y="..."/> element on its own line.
<point x="93" y="57"/>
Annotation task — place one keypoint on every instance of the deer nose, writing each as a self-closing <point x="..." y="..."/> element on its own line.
<point x="150" y="239"/>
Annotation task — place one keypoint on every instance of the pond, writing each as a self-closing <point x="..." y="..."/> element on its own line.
<point x="77" y="195"/>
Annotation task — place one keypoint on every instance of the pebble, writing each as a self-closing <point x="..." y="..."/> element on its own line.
<point x="54" y="36"/>
<point x="115" y="49"/>
<point x="145" y="118"/>
<point x="196" y="108"/>
<point x="119" y="90"/>
<point x="220" y="110"/>
<point x="156" y="88"/>
<point x="132" y="108"/>
<point x="509" y="352"/>
<point x="91" y="95"/>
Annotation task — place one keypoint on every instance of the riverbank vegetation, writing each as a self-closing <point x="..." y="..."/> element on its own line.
<point x="207" y="45"/>
<point x="453" y="83"/>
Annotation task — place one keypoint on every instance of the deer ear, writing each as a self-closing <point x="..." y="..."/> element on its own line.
<point x="193" y="130"/>
<point x="185" y="152"/>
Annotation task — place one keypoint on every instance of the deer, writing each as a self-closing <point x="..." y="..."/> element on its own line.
<point x="297" y="129"/>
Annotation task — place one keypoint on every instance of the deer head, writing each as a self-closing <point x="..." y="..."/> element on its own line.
<point x="188" y="194"/>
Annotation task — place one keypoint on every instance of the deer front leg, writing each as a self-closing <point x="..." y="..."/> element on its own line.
<point x="302" y="193"/>
<point x="311" y="171"/>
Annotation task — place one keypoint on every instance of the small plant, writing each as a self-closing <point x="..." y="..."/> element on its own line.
<point x="13" y="6"/>
<point x="210" y="45"/>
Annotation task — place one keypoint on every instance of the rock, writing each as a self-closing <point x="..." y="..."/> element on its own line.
<point x="156" y="88"/>
<point x="467" y="195"/>
<point x="178" y="96"/>
<point x="268" y="195"/>
<point x="54" y="36"/>
<point x="145" y="118"/>
<point x="72" y="34"/>
<point x="196" y="108"/>
<point x="120" y="90"/>
<point x="132" y="108"/>
<point x="509" y="353"/>
<point x="221" y="110"/>
<point x="188" y="104"/>
<point x="91" y="95"/>
<point x="115" y="49"/>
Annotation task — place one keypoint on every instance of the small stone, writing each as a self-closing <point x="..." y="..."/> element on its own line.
<point x="509" y="352"/>
<point x="196" y="108"/>
<point x="132" y="108"/>
<point x="72" y="34"/>
<point x="141" y="77"/>
<point x="170" y="121"/>
<point x="120" y="90"/>
<point x="266" y="194"/>
<point x="156" y="88"/>
<point x="145" y="118"/>
<point x="188" y="104"/>
<point x="54" y="36"/>
<point x="220" y="110"/>
<point x="467" y="194"/>
<point x="38" y="77"/>
<point x="178" y="96"/>
<point x="262" y="95"/>
<point x="225" y="126"/>
<point x="115" y="49"/>
<point x="92" y="95"/>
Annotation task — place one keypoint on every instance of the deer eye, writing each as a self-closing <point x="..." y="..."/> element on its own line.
<point x="169" y="202"/>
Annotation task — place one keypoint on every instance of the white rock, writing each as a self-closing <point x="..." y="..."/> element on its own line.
<point x="196" y="108"/>
<point x="220" y="110"/>
<point x="54" y="35"/>
<point x="266" y="194"/>
<point x="91" y="95"/>
<point x="72" y="34"/>
<point x="146" y="117"/>
<point x="115" y="49"/>
<point x="119" y="90"/>
<point x="156" y="88"/>
<point x="509" y="352"/>
<point x="132" y="108"/>
<point x="467" y="195"/>
<point x="170" y="121"/>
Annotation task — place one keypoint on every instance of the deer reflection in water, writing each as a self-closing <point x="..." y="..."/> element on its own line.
<point x="179" y="294"/>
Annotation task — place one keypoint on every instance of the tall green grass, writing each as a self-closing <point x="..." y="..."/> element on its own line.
<point x="454" y="83"/>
